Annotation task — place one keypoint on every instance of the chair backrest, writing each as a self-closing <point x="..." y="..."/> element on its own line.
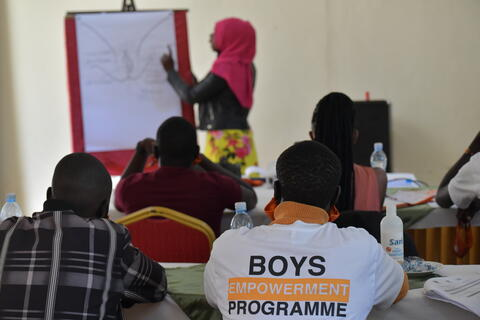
<point x="175" y="238"/>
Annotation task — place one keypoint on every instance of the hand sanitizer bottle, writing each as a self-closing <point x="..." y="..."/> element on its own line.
<point x="391" y="233"/>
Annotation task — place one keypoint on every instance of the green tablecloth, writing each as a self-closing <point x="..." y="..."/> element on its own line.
<point x="185" y="286"/>
<point x="411" y="215"/>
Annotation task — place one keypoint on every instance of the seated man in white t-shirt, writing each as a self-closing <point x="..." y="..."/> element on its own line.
<point x="302" y="266"/>
<point x="461" y="184"/>
<point x="464" y="188"/>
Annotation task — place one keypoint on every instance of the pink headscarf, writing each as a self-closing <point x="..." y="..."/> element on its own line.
<point x="235" y="41"/>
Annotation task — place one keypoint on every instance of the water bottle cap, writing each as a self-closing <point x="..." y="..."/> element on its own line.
<point x="240" y="206"/>
<point x="378" y="146"/>
<point x="11" y="197"/>
<point x="391" y="209"/>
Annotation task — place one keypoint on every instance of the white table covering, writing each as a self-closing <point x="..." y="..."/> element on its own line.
<point x="165" y="310"/>
<point x="414" y="306"/>
<point x="459" y="270"/>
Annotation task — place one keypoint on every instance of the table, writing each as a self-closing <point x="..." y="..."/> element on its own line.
<point x="186" y="289"/>
<point x="165" y="310"/>
<point x="431" y="227"/>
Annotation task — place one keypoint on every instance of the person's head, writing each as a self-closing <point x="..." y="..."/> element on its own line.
<point x="333" y="125"/>
<point x="234" y="36"/>
<point x="308" y="172"/>
<point x="82" y="182"/>
<point x="176" y="144"/>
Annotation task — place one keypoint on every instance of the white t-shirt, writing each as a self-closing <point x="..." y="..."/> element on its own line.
<point x="300" y="271"/>
<point x="465" y="186"/>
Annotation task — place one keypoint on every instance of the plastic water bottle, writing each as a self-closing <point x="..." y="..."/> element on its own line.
<point x="10" y="208"/>
<point x="391" y="233"/>
<point x="378" y="159"/>
<point x="241" y="217"/>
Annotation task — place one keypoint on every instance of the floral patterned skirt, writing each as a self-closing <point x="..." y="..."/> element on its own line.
<point x="234" y="145"/>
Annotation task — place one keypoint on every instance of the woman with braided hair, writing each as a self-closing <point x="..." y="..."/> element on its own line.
<point x="363" y="188"/>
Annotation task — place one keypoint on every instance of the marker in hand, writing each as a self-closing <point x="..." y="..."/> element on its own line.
<point x="167" y="60"/>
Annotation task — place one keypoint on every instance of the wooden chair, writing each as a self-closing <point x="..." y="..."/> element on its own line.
<point x="167" y="235"/>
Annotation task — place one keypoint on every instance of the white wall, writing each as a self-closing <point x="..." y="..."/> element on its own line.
<point x="422" y="55"/>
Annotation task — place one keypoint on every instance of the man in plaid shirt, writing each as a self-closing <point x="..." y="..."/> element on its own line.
<point x="70" y="261"/>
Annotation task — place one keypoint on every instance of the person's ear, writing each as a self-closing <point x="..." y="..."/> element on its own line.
<point x="311" y="134"/>
<point x="355" y="136"/>
<point x="49" y="193"/>
<point x="277" y="191"/>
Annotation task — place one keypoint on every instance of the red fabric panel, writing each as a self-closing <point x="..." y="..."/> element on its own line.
<point x="169" y="241"/>
<point x="74" y="85"/>
<point x="116" y="161"/>
<point x="183" y="54"/>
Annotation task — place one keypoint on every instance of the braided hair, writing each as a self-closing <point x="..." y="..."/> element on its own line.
<point x="333" y="125"/>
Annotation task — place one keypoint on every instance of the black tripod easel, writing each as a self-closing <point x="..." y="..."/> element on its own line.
<point x="128" y="5"/>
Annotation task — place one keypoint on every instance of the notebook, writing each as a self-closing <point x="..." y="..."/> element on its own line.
<point x="462" y="291"/>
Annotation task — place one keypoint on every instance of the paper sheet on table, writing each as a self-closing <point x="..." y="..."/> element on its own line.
<point x="401" y="180"/>
<point x="459" y="270"/>
<point x="462" y="291"/>
<point x="410" y="197"/>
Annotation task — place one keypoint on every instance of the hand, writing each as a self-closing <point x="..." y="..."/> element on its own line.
<point x="167" y="60"/>
<point x="146" y="146"/>
<point x="475" y="145"/>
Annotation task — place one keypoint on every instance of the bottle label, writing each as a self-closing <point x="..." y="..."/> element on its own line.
<point x="393" y="245"/>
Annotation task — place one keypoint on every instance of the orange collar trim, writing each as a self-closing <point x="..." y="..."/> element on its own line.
<point x="288" y="212"/>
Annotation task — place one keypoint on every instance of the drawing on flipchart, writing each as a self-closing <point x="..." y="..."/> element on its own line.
<point x="133" y="61"/>
<point x="124" y="90"/>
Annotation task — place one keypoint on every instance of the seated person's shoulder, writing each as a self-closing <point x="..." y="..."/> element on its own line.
<point x="381" y="175"/>
<point x="126" y="189"/>
<point x="465" y="185"/>
<point x="222" y="183"/>
<point x="473" y="165"/>
<point x="241" y="239"/>
<point x="471" y="168"/>
<point x="119" y="228"/>
<point x="354" y="233"/>
<point x="134" y="179"/>
<point x="476" y="158"/>
<point x="229" y="238"/>
<point x="214" y="177"/>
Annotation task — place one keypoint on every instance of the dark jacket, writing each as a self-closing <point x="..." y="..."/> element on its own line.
<point x="219" y="108"/>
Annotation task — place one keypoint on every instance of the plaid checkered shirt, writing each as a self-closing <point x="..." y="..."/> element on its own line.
<point x="58" y="265"/>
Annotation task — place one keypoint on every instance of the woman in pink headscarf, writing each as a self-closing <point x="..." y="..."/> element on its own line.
<point x="225" y="95"/>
